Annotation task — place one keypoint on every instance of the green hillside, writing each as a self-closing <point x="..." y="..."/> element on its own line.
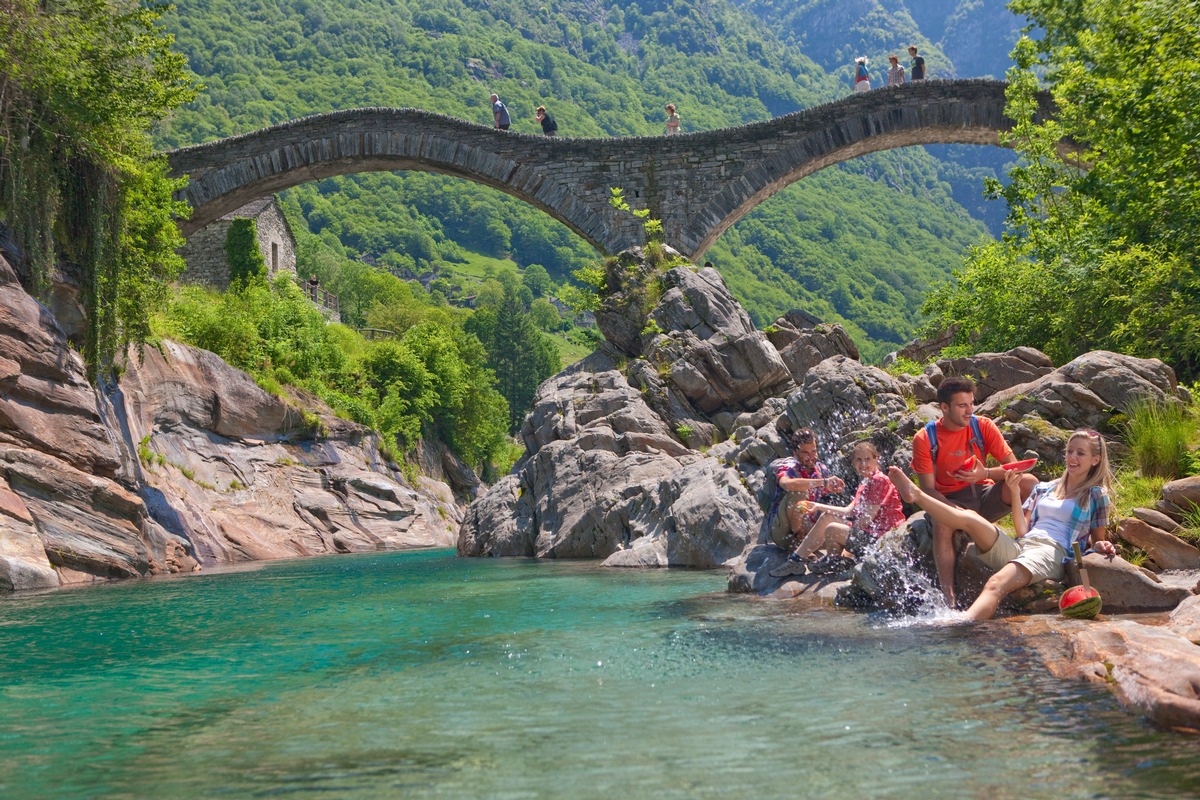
<point x="860" y="243"/>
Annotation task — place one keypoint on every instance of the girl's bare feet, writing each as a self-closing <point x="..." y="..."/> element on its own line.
<point x="907" y="489"/>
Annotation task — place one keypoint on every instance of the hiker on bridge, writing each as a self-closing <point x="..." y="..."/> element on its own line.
<point x="895" y="71"/>
<point x="672" y="126"/>
<point x="549" y="126"/>
<point x="500" y="116"/>
<point x="950" y="460"/>
<point x="916" y="70"/>
<point x="862" y="78"/>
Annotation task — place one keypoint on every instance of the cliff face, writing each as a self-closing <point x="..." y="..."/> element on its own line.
<point x="183" y="462"/>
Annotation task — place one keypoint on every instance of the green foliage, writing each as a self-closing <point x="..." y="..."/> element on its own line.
<point x="1103" y="257"/>
<point x="544" y="315"/>
<point x="82" y="83"/>
<point x="246" y="263"/>
<point x="905" y="366"/>
<point x="1159" y="436"/>
<point x="684" y="432"/>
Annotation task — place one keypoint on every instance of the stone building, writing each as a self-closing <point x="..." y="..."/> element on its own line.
<point x="204" y="250"/>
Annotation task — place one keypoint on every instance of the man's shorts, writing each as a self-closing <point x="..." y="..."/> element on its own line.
<point x="984" y="500"/>
<point x="781" y="526"/>
<point x="1042" y="558"/>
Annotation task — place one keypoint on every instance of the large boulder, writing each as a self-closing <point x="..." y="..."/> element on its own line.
<point x="708" y="346"/>
<point x="1180" y="497"/>
<point x="1086" y="392"/>
<point x="994" y="372"/>
<point x="804" y="342"/>
<point x="1126" y="588"/>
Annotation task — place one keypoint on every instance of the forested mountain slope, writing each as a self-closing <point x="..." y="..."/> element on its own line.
<point x="859" y="243"/>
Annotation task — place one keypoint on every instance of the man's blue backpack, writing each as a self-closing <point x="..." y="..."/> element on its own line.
<point x="976" y="439"/>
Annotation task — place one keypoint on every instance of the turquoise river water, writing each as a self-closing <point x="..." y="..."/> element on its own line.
<point x="421" y="675"/>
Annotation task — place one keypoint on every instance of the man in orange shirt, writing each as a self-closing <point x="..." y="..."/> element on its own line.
<point x="960" y="475"/>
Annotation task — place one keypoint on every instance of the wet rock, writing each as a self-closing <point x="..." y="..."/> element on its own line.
<point x="1166" y="550"/>
<point x="1152" y="670"/>
<point x="1185" y="619"/>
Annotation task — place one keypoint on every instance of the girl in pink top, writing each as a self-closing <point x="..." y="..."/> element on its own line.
<point x="875" y="510"/>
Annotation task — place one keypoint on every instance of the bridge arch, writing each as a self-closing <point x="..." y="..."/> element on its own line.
<point x="698" y="184"/>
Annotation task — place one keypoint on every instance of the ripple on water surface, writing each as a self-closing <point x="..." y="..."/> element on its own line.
<point x="423" y="675"/>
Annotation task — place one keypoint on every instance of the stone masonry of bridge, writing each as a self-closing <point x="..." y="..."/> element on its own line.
<point x="698" y="184"/>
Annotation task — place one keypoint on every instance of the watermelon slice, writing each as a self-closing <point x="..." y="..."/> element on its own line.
<point x="1080" y="602"/>
<point x="1020" y="466"/>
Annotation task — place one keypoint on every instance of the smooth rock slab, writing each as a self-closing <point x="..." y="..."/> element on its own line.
<point x="1167" y="550"/>
<point x="1152" y="670"/>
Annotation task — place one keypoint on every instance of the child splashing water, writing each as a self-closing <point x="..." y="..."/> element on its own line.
<point x="874" y="511"/>
<point x="1058" y="513"/>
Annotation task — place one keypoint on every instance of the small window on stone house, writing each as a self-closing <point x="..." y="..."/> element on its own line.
<point x="274" y="257"/>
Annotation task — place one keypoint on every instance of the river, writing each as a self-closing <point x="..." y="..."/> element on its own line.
<point x="422" y="675"/>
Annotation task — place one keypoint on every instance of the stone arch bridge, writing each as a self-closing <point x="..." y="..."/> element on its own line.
<point x="698" y="184"/>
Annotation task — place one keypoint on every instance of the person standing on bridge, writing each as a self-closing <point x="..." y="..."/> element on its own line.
<point x="895" y="71"/>
<point x="549" y="126"/>
<point x="916" y="70"/>
<point x="500" y="116"/>
<point x="862" y="78"/>
<point x="672" y="126"/>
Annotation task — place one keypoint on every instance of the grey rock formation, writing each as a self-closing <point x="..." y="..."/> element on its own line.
<point x="1086" y="392"/>
<point x="804" y="342"/>
<point x="994" y="372"/>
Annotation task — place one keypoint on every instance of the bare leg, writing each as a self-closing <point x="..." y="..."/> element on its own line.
<point x="982" y="532"/>
<point x="815" y="538"/>
<point x="797" y="518"/>
<point x="943" y="559"/>
<point x="1012" y="576"/>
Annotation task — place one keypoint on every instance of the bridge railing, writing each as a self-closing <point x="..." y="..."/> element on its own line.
<point x="375" y="333"/>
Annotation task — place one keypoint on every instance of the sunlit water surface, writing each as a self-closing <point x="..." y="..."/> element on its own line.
<point x="421" y="675"/>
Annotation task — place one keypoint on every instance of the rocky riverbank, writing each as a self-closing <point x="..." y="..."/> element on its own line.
<point x="179" y="463"/>
<point x="652" y="452"/>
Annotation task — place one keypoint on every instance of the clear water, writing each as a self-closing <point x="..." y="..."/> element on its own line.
<point x="420" y="675"/>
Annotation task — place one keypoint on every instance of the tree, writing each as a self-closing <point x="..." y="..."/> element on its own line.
<point x="544" y="315"/>
<point x="1100" y="249"/>
<point x="82" y="85"/>
<point x="537" y="279"/>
